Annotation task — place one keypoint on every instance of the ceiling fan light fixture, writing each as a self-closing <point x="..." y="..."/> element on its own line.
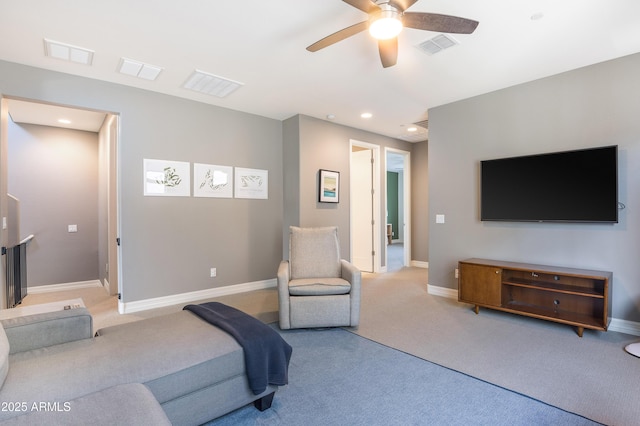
<point x="385" y="25"/>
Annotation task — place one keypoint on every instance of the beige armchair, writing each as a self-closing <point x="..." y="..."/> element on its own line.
<point x="315" y="287"/>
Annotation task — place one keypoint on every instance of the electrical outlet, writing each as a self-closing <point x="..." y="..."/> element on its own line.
<point x="72" y="228"/>
<point x="456" y="273"/>
<point x="213" y="272"/>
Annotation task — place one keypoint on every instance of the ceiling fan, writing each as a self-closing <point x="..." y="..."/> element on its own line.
<point x="386" y="20"/>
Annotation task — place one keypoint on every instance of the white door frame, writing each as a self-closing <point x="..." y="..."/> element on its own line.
<point x="406" y="207"/>
<point x="377" y="228"/>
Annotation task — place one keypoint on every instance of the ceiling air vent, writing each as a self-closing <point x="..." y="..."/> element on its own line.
<point x="67" y="52"/>
<point x="139" y="69"/>
<point x="437" y="44"/>
<point x="423" y="123"/>
<point x="210" y="84"/>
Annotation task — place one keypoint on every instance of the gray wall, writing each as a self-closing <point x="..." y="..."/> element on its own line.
<point x="593" y="106"/>
<point x="169" y="243"/>
<point x="54" y="174"/>
<point x="319" y="144"/>
<point x="420" y="202"/>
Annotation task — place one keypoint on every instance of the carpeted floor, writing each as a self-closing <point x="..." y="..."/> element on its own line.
<point x="591" y="376"/>
<point x="339" y="378"/>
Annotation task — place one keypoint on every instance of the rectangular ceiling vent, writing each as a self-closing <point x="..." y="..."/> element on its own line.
<point x="424" y="123"/>
<point x="139" y="69"/>
<point x="67" y="52"/>
<point x="437" y="44"/>
<point x="415" y="137"/>
<point x="210" y="84"/>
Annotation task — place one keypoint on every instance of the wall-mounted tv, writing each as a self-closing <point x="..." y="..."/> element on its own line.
<point x="569" y="186"/>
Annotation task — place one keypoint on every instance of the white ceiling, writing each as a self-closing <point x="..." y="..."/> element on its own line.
<point x="262" y="45"/>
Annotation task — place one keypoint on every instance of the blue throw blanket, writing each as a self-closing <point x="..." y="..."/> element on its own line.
<point x="266" y="354"/>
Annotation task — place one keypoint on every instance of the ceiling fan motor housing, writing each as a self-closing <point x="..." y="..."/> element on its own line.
<point x="385" y="23"/>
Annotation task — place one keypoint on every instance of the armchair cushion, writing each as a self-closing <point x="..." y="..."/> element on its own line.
<point x="314" y="253"/>
<point x="318" y="286"/>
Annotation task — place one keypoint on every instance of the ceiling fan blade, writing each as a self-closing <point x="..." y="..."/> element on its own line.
<point x="402" y="5"/>
<point x="338" y="36"/>
<point x="438" y="23"/>
<point x="364" y="5"/>
<point x="388" y="51"/>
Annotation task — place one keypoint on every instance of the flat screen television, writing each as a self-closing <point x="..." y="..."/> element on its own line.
<point x="569" y="186"/>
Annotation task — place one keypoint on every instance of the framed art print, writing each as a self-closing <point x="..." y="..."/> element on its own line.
<point x="164" y="178"/>
<point x="329" y="191"/>
<point x="212" y="181"/>
<point x="251" y="183"/>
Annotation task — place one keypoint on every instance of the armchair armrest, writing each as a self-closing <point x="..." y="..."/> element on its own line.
<point x="351" y="273"/>
<point x="283" y="295"/>
<point x="47" y="329"/>
<point x="354" y="276"/>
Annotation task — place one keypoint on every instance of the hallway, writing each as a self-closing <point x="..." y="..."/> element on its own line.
<point x="395" y="253"/>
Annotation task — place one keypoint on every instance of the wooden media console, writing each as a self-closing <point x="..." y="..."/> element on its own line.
<point x="578" y="297"/>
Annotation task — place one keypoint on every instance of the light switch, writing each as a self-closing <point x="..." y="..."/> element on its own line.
<point x="73" y="228"/>
<point x="439" y="218"/>
<point x="4" y="223"/>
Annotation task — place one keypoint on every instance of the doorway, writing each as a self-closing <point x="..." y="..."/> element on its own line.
<point x="397" y="202"/>
<point x="365" y="206"/>
<point x="39" y="121"/>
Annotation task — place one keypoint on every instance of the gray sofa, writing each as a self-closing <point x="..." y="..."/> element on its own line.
<point x="173" y="369"/>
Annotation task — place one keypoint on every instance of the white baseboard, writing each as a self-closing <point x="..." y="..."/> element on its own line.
<point x="63" y="287"/>
<point x="420" y="264"/>
<point x="449" y="293"/>
<point x="161" y="302"/>
<point x="624" y="326"/>
<point x="617" y="325"/>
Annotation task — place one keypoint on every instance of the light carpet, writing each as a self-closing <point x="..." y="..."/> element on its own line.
<point x="591" y="376"/>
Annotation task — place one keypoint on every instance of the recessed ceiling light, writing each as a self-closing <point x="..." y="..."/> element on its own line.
<point x="537" y="16"/>
<point x="67" y="52"/>
<point x="412" y="129"/>
<point x="209" y="84"/>
<point x="64" y="121"/>
<point x="366" y="115"/>
<point x="331" y="117"/>
<point x="139" y="69"/>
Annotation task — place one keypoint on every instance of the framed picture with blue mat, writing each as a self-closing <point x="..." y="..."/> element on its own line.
<point x="329" y="186"/>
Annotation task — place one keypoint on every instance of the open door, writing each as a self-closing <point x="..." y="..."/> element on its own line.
<point x="362" y="210"/>
<point x="365" y="207"/>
